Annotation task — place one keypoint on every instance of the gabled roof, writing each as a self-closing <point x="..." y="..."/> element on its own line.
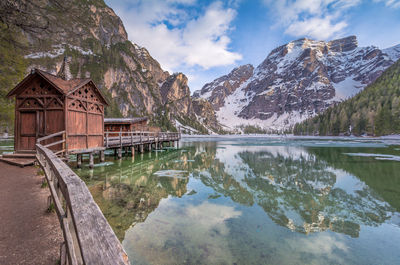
<point x="124" y="120"/>
<point x="65" y="87"/>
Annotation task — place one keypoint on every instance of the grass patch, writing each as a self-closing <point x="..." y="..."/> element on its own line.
<point x="44" y="184"/>
<point x="51" y="208"/>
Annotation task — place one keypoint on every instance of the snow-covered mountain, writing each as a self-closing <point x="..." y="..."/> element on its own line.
<point x="296" y="81"/>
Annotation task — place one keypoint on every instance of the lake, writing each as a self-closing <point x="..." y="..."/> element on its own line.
<point x="255" y="201"/>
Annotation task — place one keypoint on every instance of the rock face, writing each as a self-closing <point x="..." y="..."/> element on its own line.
<point x="206" y="113"/>
<point x="94" y="37"/>
<point x="175" y="93"/>
<point x="220" y="88"/>
<point x="299" y="80"/>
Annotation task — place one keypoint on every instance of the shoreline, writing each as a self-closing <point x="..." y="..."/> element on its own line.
<point x="291" y="136"/>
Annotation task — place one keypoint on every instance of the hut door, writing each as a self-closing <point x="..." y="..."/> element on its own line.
<point x="31" y="128"/>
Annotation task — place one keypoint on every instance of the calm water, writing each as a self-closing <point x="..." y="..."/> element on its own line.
<point x="255" y="201"/>
<point x="6" y="146"/>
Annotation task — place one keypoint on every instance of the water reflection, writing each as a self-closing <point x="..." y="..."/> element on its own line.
<point x="127" y="193"/>
<point x="295" y="188"/>
<point x="6" y="146"/>
<point x="219" y="202"/>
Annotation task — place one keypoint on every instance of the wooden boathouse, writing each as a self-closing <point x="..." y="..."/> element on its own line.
<point x="125" y="124"/>
<point x="47" y="104"/>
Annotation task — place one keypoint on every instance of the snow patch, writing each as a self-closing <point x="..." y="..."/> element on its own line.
<point x="376" y="156"/>
<point x="185" y="127"/>
<point x="347" y="88"/>
<point x="58" y="50"/>
<point x="393" y="52"/>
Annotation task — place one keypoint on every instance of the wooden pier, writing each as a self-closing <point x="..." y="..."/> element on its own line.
<point x="129" y="141"/>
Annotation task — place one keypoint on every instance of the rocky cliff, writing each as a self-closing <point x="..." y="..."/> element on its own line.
<point x="206" y="115"/>
<point x="220" y="88"/>
<point x="296" y="81"/>
<point x="94" y="36"/>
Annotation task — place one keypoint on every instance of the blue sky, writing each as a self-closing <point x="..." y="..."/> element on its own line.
<point x="207" y="39"/>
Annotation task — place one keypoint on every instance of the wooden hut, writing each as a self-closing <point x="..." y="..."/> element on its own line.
<point x="46" y="104"/>
<point x="125" y="124"/>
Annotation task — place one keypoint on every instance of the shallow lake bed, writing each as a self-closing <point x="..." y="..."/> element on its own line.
<point x="255" y="201"/>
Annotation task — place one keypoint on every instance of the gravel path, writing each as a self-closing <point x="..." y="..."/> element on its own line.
<point x="28" y="233"/>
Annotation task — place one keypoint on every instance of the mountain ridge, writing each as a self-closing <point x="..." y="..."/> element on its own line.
<point x="298" y="80"/>
<point x="373" y="111"/>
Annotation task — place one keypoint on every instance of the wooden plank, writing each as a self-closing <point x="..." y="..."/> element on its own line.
<point x="20" y="162"/>
<point x="55" y="143"/>
<point x="87" y="151"/>
<point x="58" y="205"/>
<point x="69" y="242"/>
<point x="50" y="136"/>
<point x="59" y="152"/>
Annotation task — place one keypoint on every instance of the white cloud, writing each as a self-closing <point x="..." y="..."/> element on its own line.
<point x="177" y="35"/>
<point x="320" y="19"/>
<point x="321" y="28"/>
<point x="189" y="231"/>
<point x="390" y="3"/>
<point x="330" y="246"/>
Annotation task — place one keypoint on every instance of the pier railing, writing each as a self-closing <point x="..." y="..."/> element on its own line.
<point x="6" y="138"/>
<point x="138" y="137"/>
<point x="88" y="238"/>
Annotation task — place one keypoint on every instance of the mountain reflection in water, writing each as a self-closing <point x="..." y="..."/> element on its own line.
<point x="209" y="188"/>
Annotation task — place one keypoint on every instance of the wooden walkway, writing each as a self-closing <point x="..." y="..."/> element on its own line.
<point x="129" y="139"/>
<point x="28" y="233"/>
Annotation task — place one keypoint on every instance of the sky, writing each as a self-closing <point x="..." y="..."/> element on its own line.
<point x="207" y="39"/>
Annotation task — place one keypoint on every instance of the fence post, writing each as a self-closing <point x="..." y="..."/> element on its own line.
<point x="131" y="138"/>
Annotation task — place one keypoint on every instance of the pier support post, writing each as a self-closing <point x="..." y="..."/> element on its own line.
<point x="150" y="147"/>
<point x="91" y="161"/>
<point x="78" y="160"/>
<point x="102" y="156"/>
<point x="119" y="153"/>
<point x="141" y="148"/>
<point x="133" y="150"/>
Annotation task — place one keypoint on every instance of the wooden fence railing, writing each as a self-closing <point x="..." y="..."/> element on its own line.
<point x="88" y="238"/>
<point x="138" y="137"/>
<point x="63" y="151"/>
